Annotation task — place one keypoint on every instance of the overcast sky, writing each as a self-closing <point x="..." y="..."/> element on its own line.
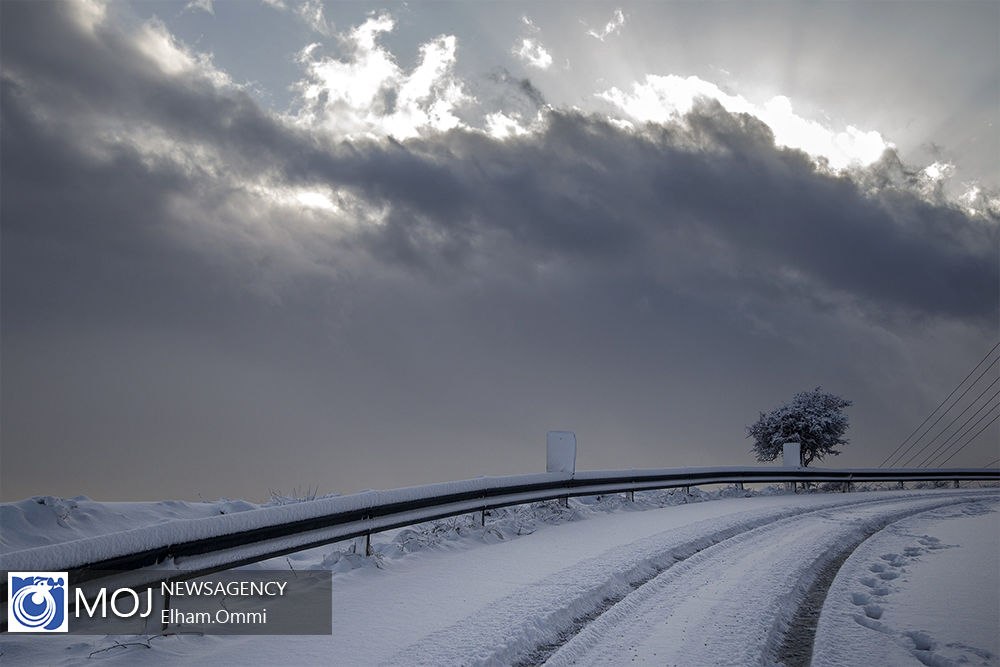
<point x="285" y="244"/>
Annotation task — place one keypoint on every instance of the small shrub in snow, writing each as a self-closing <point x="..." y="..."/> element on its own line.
<point x="295" y="496"/>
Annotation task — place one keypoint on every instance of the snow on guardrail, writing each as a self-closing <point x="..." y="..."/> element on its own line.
<point x="263" y="533"/>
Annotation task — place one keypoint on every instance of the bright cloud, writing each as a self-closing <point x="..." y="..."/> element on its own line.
<point x="88" y="13"/>
<point x="939" y="171"/>
<point x="668" y="98"/>
<point x="501" y="126"/>
<point x="613" y="27"/>
<point x="200" y="5"/>
<point x="533" y="53"/>
<point x="976" y="201"/>
<point x="155" y="41"/>
<point x="368" y="94"/>
<point x="314" y="199"/>
<point x="311" y="12"/>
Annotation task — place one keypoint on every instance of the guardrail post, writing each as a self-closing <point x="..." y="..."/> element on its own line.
<point x="631" y="496"/>
<point x="740" y="484"/>
<point x="901" y="484"/>
<point x="687" y="490"/>
<point x="368" y="539"/>
<point x="957" y="485"/>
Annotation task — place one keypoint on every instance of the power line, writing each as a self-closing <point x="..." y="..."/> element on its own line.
<point x="950" y="440"/>
<point x="959" y="416"/>
<point x="991" y="463"/>
<point x="940" y="451"/>
<point x="964" y="433"/>
<point x="971" y="439"/>
<point x="913" y="444"/>
<point x="939" y="406"/>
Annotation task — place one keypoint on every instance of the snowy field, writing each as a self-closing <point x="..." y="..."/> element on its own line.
<point x="894" y="577"/>
<point x="927" y="587"/>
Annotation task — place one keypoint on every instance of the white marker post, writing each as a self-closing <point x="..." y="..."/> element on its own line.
<point x="560" y="454"/>
<point x="791" y="457"/>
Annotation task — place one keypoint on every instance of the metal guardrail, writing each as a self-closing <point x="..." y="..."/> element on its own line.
<point x="229" y="541"/>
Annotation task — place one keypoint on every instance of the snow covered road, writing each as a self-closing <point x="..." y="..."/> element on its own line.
<point x="735" y="602"/>
<point x="708" y="583"/>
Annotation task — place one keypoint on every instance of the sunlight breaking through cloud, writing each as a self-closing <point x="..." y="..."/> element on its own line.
<point x="660" y="99"/>
<point x="414" y="231"/>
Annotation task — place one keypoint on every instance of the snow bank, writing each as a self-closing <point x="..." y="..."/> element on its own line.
<point x="46" y="520"/>
<point x="126" y="539"/>
<point x="78" y="545"/>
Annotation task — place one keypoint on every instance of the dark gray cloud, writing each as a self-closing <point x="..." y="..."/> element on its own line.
<point x="651" y="287"/>
<point x="584" y="188"/>
<point x="513" y="94"/>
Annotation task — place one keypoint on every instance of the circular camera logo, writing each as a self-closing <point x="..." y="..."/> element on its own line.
<point x="36" y="601"/>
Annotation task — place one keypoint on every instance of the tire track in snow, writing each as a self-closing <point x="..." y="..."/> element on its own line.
<point x="543" y="652"/>
<point x="530" y="624"/>
<point x="748" y="619"/>
<point x="795" y="644"/>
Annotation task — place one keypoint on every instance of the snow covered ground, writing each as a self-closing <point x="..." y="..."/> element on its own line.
<point x="659" y="581"/>
<point x="926" y="588"/>
<point x="46" y="520"/>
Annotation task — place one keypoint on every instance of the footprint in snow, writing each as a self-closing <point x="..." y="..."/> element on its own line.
<point x="873" y="611"/>
<point x="872" y="624"/>
<point x="980" y="652"/>
<point x="932" y="542"/>
<point x="921" y="640"/>
<point x="894" y="560"/>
